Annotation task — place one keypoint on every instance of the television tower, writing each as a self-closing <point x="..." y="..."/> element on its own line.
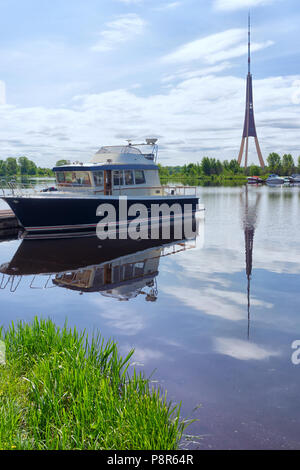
<point x="249" y="124"/>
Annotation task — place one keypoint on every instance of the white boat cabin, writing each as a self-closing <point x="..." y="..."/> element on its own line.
<point x="115" y="170"/>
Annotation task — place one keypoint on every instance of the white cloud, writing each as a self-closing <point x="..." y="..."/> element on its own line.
<point x="122" y="29"/>
<point x="239" y="4"/>
<point x="2" y="93"/>
<point x="131" y="2"/>
<point x="296" y="93"/>
<point x="187" y="74"/>
<point x="242" y="350"/>
<point x="168" y="6"/>
<point x="214" y="48"/>
<point x="124" y="318"/>
<point x="142" y="355"/>
<point x="228" y="305"/>
<point x="208" y="304"/>
<point x="190" y="113"/>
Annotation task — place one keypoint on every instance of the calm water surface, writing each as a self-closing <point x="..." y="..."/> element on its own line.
<point x="214" y="319"/>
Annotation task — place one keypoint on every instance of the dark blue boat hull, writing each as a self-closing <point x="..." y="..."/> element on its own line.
<point x="44" y="217"/>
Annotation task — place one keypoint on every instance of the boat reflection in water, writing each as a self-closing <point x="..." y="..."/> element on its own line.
<point x="119" y="269"/>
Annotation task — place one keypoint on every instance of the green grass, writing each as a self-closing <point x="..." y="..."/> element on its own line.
<point x="58" y="390"/>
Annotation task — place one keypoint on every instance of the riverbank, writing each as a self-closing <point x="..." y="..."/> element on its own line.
<point x="213" y="180"/>
<point x="59" y="390"/>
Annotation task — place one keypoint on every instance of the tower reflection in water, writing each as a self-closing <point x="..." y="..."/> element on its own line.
<point x="249" y="209"/>
<point x="118" y="269"/>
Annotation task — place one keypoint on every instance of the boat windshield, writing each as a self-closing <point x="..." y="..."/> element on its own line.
<point x="73" y="178"/>
<point x="118" y="149"/>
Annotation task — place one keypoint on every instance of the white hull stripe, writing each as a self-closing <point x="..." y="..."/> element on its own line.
<point x="82" y="226"/>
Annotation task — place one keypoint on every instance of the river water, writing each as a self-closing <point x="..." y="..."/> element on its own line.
<point x="213" y="320"/>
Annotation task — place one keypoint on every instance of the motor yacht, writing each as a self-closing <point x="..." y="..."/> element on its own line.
<point x="254" y="180"/>
<point x="295" y="178"/>
<point x="118" y="184"/>
<point x="274" y="180"/>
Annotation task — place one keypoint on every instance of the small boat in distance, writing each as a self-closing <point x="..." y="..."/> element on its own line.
<point x="274" y="180"/>
<point x="254" y="180"/>
<point x="295" y="178"/>
<point x="287" y="180"/>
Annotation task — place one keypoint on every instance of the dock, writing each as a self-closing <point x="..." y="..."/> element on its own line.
<point x="9" y="225"/>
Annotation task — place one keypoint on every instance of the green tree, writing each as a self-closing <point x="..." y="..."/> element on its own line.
<point x="213" y="165"/>
<point x="219" y="167"/>
<point x="255" y="170"/>
<point x="2" y="168"/>
<point x="24" y="165"/>
<point x="226" y="165"/>
<point x="192" y="169"/>
<point x="274" y="162"/>
<point x="288" y="164"/>
<point x="206" y="166"/>
<point x="61" y="162"/>
<point x="11" y="166"/>
<point x="32" y="170"/>
<point x="234" y="167"/>
<point x="163" y="171"/>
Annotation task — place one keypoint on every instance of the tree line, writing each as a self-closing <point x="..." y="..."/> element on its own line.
<point x="22" y="166"/>
<point x="209" y="167"/>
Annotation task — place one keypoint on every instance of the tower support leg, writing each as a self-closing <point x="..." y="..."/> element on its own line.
<point x="261" y="160"/>
<point x="246" y="152"/>
<point x="241" y="151"/>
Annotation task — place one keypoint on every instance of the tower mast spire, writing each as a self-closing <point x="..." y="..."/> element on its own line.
<point x="249" y="123"/>
<point x="249" y="43"/>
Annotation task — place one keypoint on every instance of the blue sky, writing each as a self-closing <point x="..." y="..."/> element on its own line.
<point x="75" y="75"/>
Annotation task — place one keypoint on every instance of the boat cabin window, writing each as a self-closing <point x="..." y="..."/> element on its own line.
<point x="128" y="271"/>
<point x="60" y="177"/>
<point x="128" y="177"/>
<point x="98" y="178"/>
<point x="118" y="178"/>
<point x="139" y="269"/>
<point x="73" y="178"/>
<point x="139" y="177"/>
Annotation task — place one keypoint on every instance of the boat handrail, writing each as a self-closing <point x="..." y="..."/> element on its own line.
<point x="15" y="188"/>
<point x="10" y="280"/>
<point x="174" y="190"/>
<point x="45" y="286"/>
<point x="19" y="189"/>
